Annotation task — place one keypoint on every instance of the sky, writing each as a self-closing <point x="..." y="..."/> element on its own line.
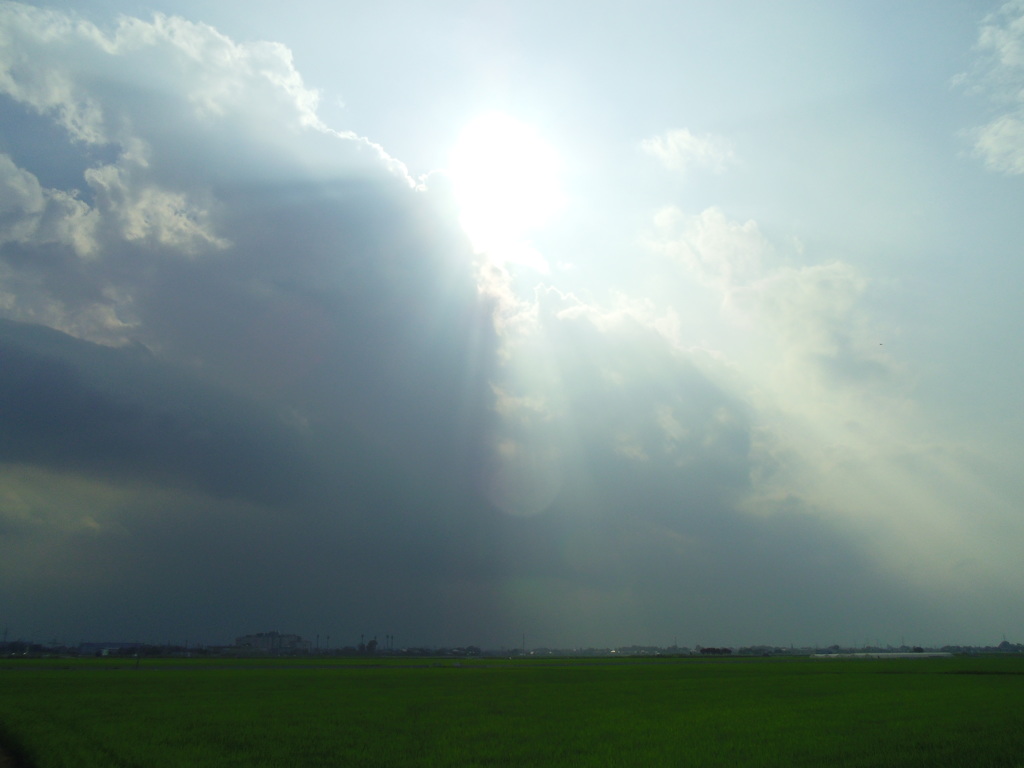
<point x="481" y="322"/>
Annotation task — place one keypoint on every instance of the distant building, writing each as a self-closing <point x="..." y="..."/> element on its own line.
<point x="272" y="642"/>
<point x="107" y="649"/>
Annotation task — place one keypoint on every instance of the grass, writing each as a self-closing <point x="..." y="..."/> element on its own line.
<point x="757" y="712"/>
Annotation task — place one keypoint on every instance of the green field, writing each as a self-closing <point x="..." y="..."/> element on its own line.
<point x="665" y="712"/>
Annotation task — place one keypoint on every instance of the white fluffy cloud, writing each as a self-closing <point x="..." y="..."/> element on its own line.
<point x="33" y="215"/>
<point x="166" y="116"/>
<point x="808" y="309"/>
<point x="833" y="426"/>
<point x="1001" y="144"/>
<point x="717" y="251"/>
<point x="185" y="69"/>
<point x="681" y="150"/>
<point x="1000" y="74"/>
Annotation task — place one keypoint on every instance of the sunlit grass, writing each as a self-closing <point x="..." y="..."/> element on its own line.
<point x="491" y="713"/>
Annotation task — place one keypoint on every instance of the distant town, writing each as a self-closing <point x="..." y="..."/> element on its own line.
<point x="274" y="643"/>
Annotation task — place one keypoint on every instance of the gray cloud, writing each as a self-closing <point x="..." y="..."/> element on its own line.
<point x="253" y="377"/>
<point x="308" y="353"/>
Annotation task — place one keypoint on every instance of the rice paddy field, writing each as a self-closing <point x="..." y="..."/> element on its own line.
<point x="963" y="711"/>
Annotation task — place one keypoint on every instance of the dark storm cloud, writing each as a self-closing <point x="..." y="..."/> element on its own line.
<point x="302" y="365"/>
<point x="75" y="406"/>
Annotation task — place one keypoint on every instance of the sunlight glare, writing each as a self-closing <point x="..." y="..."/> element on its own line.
<point x="506" y="184"/>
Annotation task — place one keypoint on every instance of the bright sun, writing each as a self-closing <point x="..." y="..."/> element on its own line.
<point x="506" y="184"/>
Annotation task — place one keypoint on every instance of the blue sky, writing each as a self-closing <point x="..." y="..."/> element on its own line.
<point x="454" y="321"/>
